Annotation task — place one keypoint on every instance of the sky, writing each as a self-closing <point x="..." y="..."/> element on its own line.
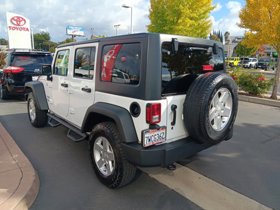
<point x="99" y="17"/>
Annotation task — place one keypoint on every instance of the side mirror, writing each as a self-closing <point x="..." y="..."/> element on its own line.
<point x="175" y="46"/>
<point x="46" y="70"/>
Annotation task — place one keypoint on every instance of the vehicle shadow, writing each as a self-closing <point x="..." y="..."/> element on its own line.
<point x="246" y="163"/>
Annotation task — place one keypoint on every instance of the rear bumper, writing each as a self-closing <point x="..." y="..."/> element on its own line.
<point x="16" y="90"/>
<point x="162" y="155"/>
<point x="262" y="67"/>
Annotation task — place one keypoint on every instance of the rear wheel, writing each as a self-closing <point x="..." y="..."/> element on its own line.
<point x="210" y="108"/>
<point x="37" y="117"/>
<point x="108" y="160"/>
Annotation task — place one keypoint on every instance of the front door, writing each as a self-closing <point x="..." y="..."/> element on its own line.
<point x="82" y="84"/>
<point x="60" y="84"/>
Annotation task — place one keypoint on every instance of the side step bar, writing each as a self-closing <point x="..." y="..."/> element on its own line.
<point x="73" y="133"/>
<point x="52" y="122"/>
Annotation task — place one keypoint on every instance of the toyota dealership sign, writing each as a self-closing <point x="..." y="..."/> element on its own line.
<point x="19" y="31"/>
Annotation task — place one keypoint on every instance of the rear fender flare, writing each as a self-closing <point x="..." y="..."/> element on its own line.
<point x="100" y="112"/>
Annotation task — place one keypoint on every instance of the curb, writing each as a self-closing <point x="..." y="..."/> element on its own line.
<point x="24" y="189"/>
<point x="256" y="100"/>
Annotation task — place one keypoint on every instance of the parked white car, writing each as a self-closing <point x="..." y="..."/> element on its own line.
<point x="250" y="62"/>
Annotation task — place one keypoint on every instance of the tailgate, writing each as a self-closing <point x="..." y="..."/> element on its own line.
<point x="174" y="115"/>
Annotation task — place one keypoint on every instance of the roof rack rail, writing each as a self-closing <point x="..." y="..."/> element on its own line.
<point x="27" y="50"/>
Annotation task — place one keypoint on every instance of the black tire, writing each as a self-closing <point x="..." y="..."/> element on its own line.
<point x="38" y="118"/>
<point x="123" y="172"/>
<point x="197" y="107"/>
<point x="4" y="93"/>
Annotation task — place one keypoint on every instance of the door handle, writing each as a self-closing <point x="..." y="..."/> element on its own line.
<point x="173" y="109"/>
<point x="64" y="85"/>
<point x="86" y="89"/>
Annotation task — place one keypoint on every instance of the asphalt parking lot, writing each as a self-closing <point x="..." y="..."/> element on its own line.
<point x="247" y="164"/>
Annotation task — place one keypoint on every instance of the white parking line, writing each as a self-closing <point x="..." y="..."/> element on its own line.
<point x="201" y="190"/>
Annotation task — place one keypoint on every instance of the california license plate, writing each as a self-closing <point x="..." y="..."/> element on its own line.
<point x="153" y="136"/>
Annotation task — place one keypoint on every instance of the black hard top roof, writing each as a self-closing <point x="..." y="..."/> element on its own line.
<point x="141" y="35"/>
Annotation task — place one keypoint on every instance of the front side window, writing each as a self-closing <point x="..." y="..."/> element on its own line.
<point x="121" y="63"/>
<point x="61" y="63"/>
<point x="189" y="60"/>
<point x="84" y="62"/>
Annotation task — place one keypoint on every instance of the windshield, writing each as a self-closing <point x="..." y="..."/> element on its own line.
<point x="263" y="60"/>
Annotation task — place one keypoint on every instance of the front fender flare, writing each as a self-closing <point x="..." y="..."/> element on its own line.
<point x="39" y="94"/>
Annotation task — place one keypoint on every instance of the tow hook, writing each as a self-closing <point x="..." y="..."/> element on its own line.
<point x="171" y="167"/>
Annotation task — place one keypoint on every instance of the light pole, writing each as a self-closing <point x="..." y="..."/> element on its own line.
<point x="32" y="39"/>
<point x="91" y="36"/>
<point x="127" y="6"/>
<point x="116" y="27"/>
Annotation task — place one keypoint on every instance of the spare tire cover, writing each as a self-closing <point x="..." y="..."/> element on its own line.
<point x="210" y="107"/>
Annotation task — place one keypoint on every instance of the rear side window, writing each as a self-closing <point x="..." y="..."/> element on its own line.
<point x="121" y="63"/>
<point x="61" y="63"/>
<point x="189" y="60"/>
<point x="30" y="61"/>
<point x="84" y="62"/>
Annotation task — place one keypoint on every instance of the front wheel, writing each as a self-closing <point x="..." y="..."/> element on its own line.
<point x="108" y="159"/>
<point x="37" y="117"/>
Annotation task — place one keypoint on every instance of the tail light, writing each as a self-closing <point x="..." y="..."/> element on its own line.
<point x="13" y="70"/>
<point x="153" y="113"/>
<point x="207" y="68"/>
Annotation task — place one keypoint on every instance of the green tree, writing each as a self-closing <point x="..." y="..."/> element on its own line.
<point x="3" y="41"/>
<point x="50" y="46"/>
<point x="214" y="37"/>
<point x="262" y="19"/>
<point x="2" y="59"/>
<point x="217" y="36"/>
<point x="43" y="41"/>
<point x="242" y="51"/>
<point x="68" y="40"/>
<point x="189" y="18"/>
<point x="40" y="40"/>
<point x="97" y="36"/>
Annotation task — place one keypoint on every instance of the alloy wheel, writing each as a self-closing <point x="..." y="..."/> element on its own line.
<point x="220" y="109"/>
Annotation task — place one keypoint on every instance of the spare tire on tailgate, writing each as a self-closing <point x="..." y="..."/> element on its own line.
<point x="210" y="107"/>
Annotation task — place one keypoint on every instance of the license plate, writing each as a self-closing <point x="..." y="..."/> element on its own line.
<point x="153" y="136"/>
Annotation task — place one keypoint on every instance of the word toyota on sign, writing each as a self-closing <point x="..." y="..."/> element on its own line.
<point x="18" y="23"/>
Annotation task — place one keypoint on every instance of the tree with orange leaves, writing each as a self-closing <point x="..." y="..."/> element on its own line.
<point x="262" y="19"/>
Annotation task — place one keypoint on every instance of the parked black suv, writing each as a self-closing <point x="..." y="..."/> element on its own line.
<point x="21" y="66"/>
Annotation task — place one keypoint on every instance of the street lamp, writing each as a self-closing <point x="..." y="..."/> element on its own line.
<point x="127" y="6"/>
<point x="32" y="39"/>
<point x="91" y="36"/>
<point x="116" y="27"/>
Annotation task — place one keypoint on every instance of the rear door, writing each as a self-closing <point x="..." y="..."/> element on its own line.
<point x="82" y="83"/>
